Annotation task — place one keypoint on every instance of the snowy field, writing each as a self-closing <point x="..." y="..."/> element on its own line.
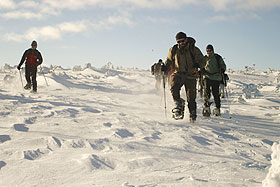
<point x="106" y="127"/>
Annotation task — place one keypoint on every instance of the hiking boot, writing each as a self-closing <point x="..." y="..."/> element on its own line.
<point x="33" y="91"/>
<point x="216" y="112"/>
<point x="206" y="111"/>
<point x="27" y="86"/>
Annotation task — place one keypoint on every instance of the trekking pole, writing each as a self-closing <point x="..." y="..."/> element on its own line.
<point x="224" y="81"/>
<point x="43" y="75"/>
<point x="164" y="95"/>
<point x="21" y="78"/>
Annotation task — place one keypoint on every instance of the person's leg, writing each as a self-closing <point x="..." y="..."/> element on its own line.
<point x="176" y="84"/>
<point x="215" y="92"/>
<point x="190" y="86"/>
<point x="34" y="81"/>
<point x="207" y="92"/>
<point x="27" y="77"/>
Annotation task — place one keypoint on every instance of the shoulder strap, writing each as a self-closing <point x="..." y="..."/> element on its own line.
<point x="173" y="51"/>
<point x="191" y="42"/>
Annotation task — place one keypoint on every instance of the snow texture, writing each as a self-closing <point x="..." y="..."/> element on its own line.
<point x="107" y="127"/>
<point x="273" y="177"/>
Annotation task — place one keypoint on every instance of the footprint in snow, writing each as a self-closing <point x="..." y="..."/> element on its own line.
<point x="21" y="127"/>
<point x="201" y="140"/>
<point x="32" y="154"/>
<point x="108" y="124"/>
<point x="100" y="163"/>
<point x="123" y="133"/>
<point x="4" y="138"/>
<point x="2" y="164"/>
<point x="30" y="120"/>
<point x="92" y="110"/>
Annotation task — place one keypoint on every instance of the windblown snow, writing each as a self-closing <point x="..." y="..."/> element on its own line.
<point x="107" y="127"/>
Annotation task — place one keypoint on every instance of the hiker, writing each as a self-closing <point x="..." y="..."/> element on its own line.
<point x="212" y="76"/>
<point x="156" y="71"/>
<point x="185" y="58"/>
<point x="32" y="58"/>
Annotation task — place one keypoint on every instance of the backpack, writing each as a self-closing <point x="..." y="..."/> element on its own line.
<point x="224" y="75"/>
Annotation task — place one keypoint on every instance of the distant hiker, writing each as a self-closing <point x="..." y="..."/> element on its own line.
<point x="156" y="71"/>
<point x="32" y="58"/>
<point x="212" y="76"/>
<point x="185" y="58"/>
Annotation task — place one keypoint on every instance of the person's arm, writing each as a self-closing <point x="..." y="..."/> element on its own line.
<point x="40" y="59"/>
<point x="200" y="59"/>
<point x="23" y="58"/>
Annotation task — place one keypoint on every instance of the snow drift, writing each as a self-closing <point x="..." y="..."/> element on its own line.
<point x="107" y="127"/>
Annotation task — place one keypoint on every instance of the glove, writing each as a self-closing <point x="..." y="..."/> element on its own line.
<point x="18" y="67"/>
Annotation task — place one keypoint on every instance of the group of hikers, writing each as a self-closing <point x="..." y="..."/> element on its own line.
<point x="184" y="65"/>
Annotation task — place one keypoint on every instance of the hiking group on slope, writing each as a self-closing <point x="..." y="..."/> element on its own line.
<point x="185" y="63"/>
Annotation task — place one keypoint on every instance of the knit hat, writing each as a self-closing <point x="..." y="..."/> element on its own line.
<point x="34" y="43"/>
<point x="180" y="35"/>
<point x="209" y="46"/>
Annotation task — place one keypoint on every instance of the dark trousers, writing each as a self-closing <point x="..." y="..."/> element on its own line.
<point x="30" y="75"/>
<point x="212" y="86"/>
<point x="179" y="80"/>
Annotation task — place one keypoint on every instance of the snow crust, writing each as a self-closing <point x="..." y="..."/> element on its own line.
<point x="108" y="127"/>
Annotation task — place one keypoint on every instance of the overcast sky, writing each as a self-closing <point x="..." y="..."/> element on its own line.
<point x="136" y="33"/>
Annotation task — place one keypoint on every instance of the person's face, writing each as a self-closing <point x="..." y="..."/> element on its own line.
<point x="182" y="42"/>
<point x="33" y="46"/>
<point x="209" y="52"/>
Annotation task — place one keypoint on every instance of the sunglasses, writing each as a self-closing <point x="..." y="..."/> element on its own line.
<point x="209" y="50"/>
<point x="180" y="41"/>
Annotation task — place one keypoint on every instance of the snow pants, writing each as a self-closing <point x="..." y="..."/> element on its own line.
<point x="178" y="80"/>
<point x="30" y="75"/>
<point x="212" y="86"/>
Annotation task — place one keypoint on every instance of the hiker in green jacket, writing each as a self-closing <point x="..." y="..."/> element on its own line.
<point x="185" y="58"/>
<point x="212" y="76"/>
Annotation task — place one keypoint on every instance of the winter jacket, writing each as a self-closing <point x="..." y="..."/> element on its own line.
<point x="214" y="69"/>
<point x="156" y="68"/>
<point x="186" y="59"/>
<point x="32" y="57"/>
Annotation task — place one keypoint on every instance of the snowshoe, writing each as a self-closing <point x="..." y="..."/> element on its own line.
<point x="179" y="110"/>
<point x="27" y="86"/>
<point x="206" y="111"/>
<point x="216" y="112"/>
<point x="178" y="113"/>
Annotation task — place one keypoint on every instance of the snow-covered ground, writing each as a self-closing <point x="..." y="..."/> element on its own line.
<point x="107" y="127"/>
